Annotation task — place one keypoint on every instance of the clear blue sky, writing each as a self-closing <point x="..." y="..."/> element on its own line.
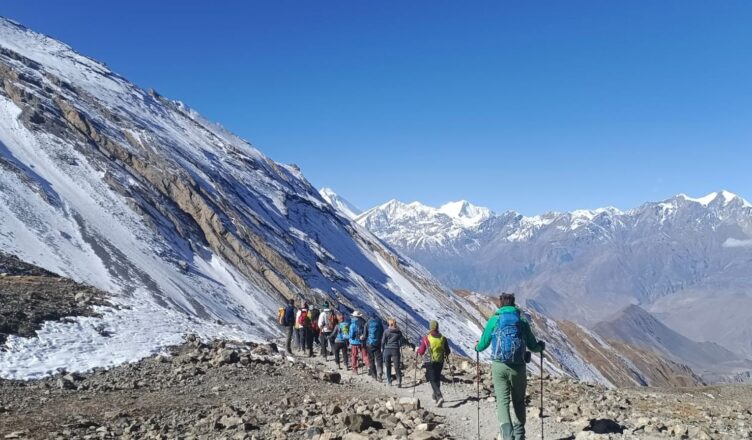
<point x="533" y="106"/>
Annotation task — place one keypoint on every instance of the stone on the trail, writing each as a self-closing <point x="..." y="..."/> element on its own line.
<point x="423" y="435"/>
<point x="604" y="426"/>
<point x="679" y="430"/>
<point x="65" y="384"/>
<point x="358" y="422"/>
<point x="424" y="427"/>
<point x="313" y="432"/>
<point x="409" y="403"/>
<point x="330" y="376"/>
<point x="16" y="434"/>
<point x="226" y="356"/>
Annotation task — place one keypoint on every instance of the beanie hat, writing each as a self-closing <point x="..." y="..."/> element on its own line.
<point x="433" y="325"/>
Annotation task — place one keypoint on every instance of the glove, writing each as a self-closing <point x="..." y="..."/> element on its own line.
<point x="542" y="345"/>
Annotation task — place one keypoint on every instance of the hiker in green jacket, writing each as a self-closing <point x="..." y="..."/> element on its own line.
<point x="508" y="334"/>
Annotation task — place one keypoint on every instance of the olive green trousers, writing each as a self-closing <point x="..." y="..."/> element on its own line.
<point x="510" y="384"/>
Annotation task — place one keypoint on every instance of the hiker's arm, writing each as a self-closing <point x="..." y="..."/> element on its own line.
<point x="532" y="343"/>
<point x="447" y="350"/>
<point x="423" y="347"/>
<point x="485" y="339"/>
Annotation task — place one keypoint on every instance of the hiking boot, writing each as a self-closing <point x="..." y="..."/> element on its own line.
<point x="399" y="383"/>
<point x="440" y="402"/>
<point x="507" y="432"/>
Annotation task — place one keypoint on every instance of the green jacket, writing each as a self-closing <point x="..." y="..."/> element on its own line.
<point x="527" y="334"/>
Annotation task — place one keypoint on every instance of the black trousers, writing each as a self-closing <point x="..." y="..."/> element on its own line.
<point x="433" y="376"/>
<point x="324" y="342"/>
<point x="393" y="356"/>
<point x="290" y="332"/>
<point x="375" y="366"/>
<point x="308" y="338"/>
<point x="341" y="347"/>
<point x="299" y="339"/>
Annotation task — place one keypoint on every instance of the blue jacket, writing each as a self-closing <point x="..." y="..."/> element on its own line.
<point x="357" y="330"/>
<point x="342" y="332"/>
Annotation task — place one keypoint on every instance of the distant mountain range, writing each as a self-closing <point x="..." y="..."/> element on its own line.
<point x="686" y="260"/>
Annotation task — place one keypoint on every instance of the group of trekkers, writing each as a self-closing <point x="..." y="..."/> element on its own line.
<point x="507" y="333"/>
<point x="356" y="341"/>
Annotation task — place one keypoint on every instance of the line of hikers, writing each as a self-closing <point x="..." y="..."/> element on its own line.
<point x="507" y="333"/>
<point x="365" y="340"/>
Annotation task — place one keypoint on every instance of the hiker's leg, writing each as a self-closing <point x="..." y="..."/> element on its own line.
<point x="519" y="386"/>
<point x="354" y="358"/>
<point x="500" y="373"/>
<point x="322" y="343"/>
<point x="398" y="366"/>
<point x="336" y="354"/>
<point x="371" y="363"/>
<point x="364" y="354"/>
<point x="388" y="359"/>
<point x="429" y="379"/>
<point x="289" y="339"/>
<point x="439" y="367"/>
<point x="379" y="361"/>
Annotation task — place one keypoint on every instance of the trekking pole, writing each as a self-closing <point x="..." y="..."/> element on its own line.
<point x="452" y="372"/>
<point x="415" y="374"/>
<point x="477" y="374"/>
<point x="540" y="413"/>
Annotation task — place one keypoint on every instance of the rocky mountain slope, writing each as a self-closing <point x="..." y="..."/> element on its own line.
<point x="186" y="226"/>
<point x="639" y="328"/>
<point x="686" y="260"/>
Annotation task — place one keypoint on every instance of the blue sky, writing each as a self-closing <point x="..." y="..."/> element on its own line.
<point x="532" y="106"/>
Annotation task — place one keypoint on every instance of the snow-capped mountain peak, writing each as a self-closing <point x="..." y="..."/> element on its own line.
<point x="465" y="212"/>
<point x="340" y="203"/>
<point x="722" y="197"/>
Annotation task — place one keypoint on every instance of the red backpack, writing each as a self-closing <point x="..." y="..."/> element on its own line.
<point x="303" y="318"/>
<point x="332" y="322"/>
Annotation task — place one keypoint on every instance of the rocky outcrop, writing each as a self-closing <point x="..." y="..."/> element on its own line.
<point x="30" y="296"/>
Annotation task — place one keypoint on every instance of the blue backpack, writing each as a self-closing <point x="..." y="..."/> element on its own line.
<point x="507" y="343"/>
<point x="355" y="331"/>
<point x="375" y="331"/>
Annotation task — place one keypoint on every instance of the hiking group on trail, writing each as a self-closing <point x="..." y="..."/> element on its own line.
<point x="371" y="346"/>
<point x="355" y="342"/>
